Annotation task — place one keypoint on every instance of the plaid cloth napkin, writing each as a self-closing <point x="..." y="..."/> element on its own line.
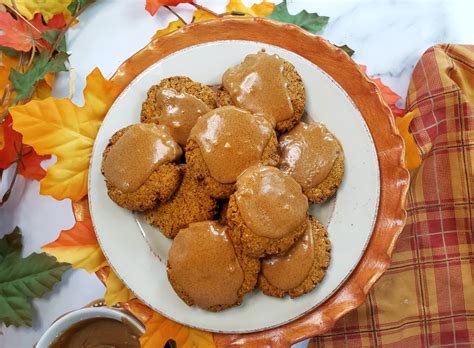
<point x="426" y="298"/>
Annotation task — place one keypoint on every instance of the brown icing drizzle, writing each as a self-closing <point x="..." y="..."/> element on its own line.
<point x="258" y="85"/>
<point x="138" y="152"/>
<point x="308" y="153"/>
<point x="98" y="332"/>
<point x="288" y="271"/>
<point x="204" y="265"/>
<point x="271" y="203"/>
<point x="231" y="140"/>
<point x="179" y="111"/>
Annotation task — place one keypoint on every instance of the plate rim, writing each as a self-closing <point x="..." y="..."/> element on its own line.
<point x="352" y="292"/>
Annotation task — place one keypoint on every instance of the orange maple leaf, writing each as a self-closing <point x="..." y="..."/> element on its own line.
<point x="152" y="6"/>
<point x="29" y="166"/>
<point x="17" y="34"/>
<point x="78" y="245"/>
<point x="390" y="97"/>
<point x="159" y="329"/>
<point x="59" y="127"/>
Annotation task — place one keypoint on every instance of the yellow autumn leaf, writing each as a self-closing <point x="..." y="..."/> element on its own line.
<point x="258" y="10"/>
<point x="159" y="329"/>
<point x="412" y="155"/>
<point x="59" y="127"/>
<point x="175" y="25"/>
<point x="48" y="8"/>
<point x="116" y="291"/>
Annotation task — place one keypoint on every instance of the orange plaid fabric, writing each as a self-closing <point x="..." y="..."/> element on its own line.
<point x="426" y="298"/>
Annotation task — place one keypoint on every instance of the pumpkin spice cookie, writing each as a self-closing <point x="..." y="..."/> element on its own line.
<point x="177" y="102"/>
<point x="301" y="268"/>
<point x="190" y="203"/>
<point x="265" y="85"/>
<point x="267" y="213"/>
<point x="224" y="143"/>
<point x="140" y="166"/>
<point x="205" y="270"/>
<point x="314" y="158"/>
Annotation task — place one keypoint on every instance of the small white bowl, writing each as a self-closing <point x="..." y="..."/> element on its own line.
<point x="66" y="321"/>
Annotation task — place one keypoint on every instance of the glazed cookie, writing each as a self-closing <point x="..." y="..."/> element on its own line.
<point x="267" y="212"/>
<point x="177" y="102"/>
<point x="299" y="270"/>
<point x="189" y="204"/>
<point x="140" y="166"/>
<point x="265" y="85"/>
<point x="224" y="143"/>
<point x="314" y="158"/>
<point x="205" y="270"/>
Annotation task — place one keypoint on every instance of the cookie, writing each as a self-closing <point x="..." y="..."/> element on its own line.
<point x="205" y="270"/>
<point x="267" y="213"/>
<point x="239" y="140"/>
<point x="266" y="98"/>
<point x="190" y="203"/>
<point x="301" y="268"/>
<point x="150" y="108"/>
<point x="136" y="175"/>
<point x="314" y="157"/>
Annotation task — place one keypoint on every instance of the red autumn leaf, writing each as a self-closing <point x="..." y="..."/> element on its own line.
<point x="29" y="167"/>
<point x="390" y="97"/>
<point x="153" y="5"/>
<point x="17" y="34"/>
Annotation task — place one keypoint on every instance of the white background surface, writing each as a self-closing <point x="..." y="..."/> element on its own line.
<point x="388" y="37"/>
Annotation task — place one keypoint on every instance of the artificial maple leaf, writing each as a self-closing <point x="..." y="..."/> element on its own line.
<point x="159" y="329"/>
<point x="6" y="64"/>
<point x="412" y="154"/>
<point x="262" y="9"/>
<point x="258" y="10"/>
<point x="390" y="97"/>
<point x="78" y="246"/>
<point x="117" y="291"/>
<point x="22" y="279"/>
<point x="28" y="8"/>
<point x="152" y="6"/>
<point x="17" y="34"/>
<point x="24" y="83"/>
<point x="311" y="22"/>
<point x="59" y="127"/>
<point x="29" y="166"/>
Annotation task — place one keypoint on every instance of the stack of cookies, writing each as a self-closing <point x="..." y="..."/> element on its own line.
<point x="228" y="172"/>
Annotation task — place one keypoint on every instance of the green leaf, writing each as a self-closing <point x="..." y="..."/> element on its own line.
<point x="76" y="5"/>
<point x="51" y="36"/>
<point x="311" y="22"/>
<point x="22" y="279"/>
<point x="24" y="83"/>
<point x="9" y="51"/>
<point x="10" y="243"/>
<point x="346" y="49"/>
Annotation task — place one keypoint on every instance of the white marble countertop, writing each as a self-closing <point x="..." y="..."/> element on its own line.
<point x="388" y="37"/>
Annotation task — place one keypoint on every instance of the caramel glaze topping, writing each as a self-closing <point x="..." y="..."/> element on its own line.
<point x="258" y="85"/>
<point x="179" y="111"/>
<point x="308" y="153"/>
<point x="231" y="140"/>
<point x="138" y="152"/>
<point x="271" y="203"/>
<point x="204" y="265"/>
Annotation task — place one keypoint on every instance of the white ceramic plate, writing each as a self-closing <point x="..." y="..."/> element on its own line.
<point x="138" y="252"/>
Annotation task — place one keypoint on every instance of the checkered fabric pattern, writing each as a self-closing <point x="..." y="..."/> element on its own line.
<point x="426" y="298"/>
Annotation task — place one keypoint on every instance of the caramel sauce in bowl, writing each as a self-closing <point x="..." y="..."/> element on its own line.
<point x="63" y="328"/>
